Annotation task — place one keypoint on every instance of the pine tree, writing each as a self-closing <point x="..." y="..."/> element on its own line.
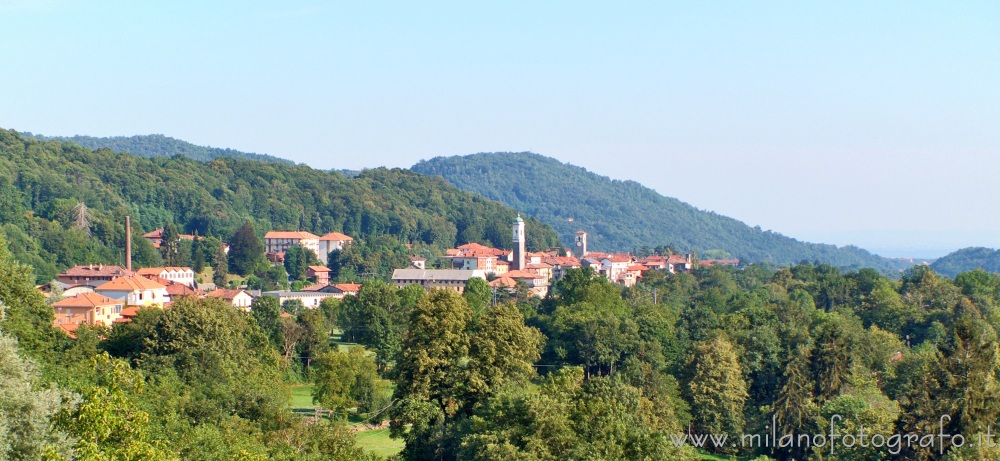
<point x="716" y="390"/>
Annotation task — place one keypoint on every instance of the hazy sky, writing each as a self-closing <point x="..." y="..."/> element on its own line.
<point x="875" y="123"/>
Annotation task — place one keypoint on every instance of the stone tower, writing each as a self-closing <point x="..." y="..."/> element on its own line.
<point x="580" y="244"/>
<point x="518" y="261"/>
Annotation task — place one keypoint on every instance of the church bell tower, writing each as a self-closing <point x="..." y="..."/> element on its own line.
<point x="580" y="244"/>
<point x="518" y="261"/>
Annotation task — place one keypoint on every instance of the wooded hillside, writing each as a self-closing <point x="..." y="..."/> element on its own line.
<point x="625" y="215"/>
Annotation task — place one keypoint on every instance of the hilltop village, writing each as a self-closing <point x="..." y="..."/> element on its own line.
<point x="98" y="294"/>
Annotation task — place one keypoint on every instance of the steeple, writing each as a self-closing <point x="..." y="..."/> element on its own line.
<point x="518" y="261"/>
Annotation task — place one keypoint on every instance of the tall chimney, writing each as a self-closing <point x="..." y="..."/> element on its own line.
<point x="128" y="243"/>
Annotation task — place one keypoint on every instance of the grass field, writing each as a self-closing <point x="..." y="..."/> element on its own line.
<point x="378" y="442"/>
<point x="301" y="398"/>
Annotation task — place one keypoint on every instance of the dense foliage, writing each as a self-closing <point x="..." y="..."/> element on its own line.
<point x="158" y="145"/>
<point x="42" y="185"/>
<point x="624" y="215"/>
<point x="968" y="259"/>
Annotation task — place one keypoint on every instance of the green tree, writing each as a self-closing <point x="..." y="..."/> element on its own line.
<point x="477" y="294"/>
<point x="430" y="374"/>
<point x="109" y="424"/>
<point x="297" y="262"/>
<point x="716" y="390"/>
<point x="246" y="250"/>
<point x="502" y="351"/>
<point x="168" y="245"/>
<point x="345" y="380"/>
<point x="266" y="311"/>
<point x="368" y="320"/>
<point x="220" y="266"/>
<point x="28" y="409"/>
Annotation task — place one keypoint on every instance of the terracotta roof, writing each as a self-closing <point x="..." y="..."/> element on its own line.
<point x="562" y="261"/>
<point x="677" y="259"/>
<point x="95" y="270"/>
<point x="155" y="234"/>
<point x="618" y="258"/>
<point x="336" y="236"/>
<point x="580" y="232"/>
<point x="349" y="287"/>
<point x="522" y="274"/>
<point x="131" y="283"/>
<point x="302" y="235"/>
<point x="503" y="282"/>
<point x="473" y="246"/>
<point x="130" y="311"/>
<point x="637" y="267"/>
<point x="87" y="300"/>
<point x="175" y="289"/>
<point x="538" y="266"/>
<point x="68" y="328"/>
<point x="503" y="263"/>
<point x="286" y="315"/>
<point x="320" y="269"/>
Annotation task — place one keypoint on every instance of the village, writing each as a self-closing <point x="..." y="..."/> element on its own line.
<point x="98" y="294"/>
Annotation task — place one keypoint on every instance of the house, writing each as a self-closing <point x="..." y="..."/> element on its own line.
<point x="678" y="263"/>
<point x="156" y="237"/>
<point x="135" y="291"/>
<point x="719" y="262"/>
<point x="453" y="279"/>
<point x="418" y="263"/>
<point x="338" y="291"/>
<point x="281" y="241"/>
<point x="632" y="274"/>
<point x="560" y="264"/>
<point x="238" y="298"/>
<point x="538" y="285"/>
<point x="320" y="273"/>
<point x="330" y="242"/>
<point x="615" y="264"/>
<point x="92" y="274"/>
<point x="177" y="290"/>
<point x="87" y="308"/>
<point x="309" y="299"/>
<point x="182" y="275"/>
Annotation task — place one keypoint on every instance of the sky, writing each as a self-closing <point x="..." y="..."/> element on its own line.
<point x="867" y="123"/>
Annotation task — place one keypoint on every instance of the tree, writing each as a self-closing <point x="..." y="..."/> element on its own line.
<point x="28" y="409"/>
<point x="368" y="320"/>
<point x="197" y="256"/>
<point x="317" y="335"/>
<point x="716" y="390"/>
<point x="267" y="312"/>
<point x="477" y="294"/>
<point x="169" y="243"/>
<point x="346" y="380"/>
<point x="109" y="424"/>
<point x="502" y="351"/>
<point x="297" y="262"/>
<point x="220" y="266"/>
<point x="27" y="317"/>
<point x="430" y="373"/>
<point x="246" y="251"/>
<point x="291" y="334"/>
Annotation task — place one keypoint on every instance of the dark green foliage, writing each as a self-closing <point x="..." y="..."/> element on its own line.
<point x="246" y="250"/>
<point x="622" y="215"/>
<point x="158" y="145"/>
<point x="297" y="262"/>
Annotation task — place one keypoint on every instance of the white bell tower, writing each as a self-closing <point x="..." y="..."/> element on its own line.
<point x="518" y="261"/>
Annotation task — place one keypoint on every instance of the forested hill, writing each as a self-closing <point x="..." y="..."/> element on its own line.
<point x="624" y="215"/>
<point x="158" y="145"/>
<point x="968" y="259"/>
<point x="42" y="183"/>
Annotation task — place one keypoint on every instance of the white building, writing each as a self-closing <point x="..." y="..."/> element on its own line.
<point x="454" y="279"/>
<point x="135" y="291"/>
<point x="181" y="275"/>
<point x="330" y="242"/>
<point x="281" y="241"/>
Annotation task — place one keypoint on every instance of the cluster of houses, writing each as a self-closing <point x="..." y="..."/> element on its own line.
<point x="504" y="269"/>
<point x="103" y="295"/>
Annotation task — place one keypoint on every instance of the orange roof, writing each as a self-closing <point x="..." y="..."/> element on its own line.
<point x="175" y="289"/>
<point x="336" y="236"/>
<point x="87" y="300"/>
<point x="132" y="283"/>
<point x="348" y="287"/>
<point x="316" y="287"/>
<point x="130" y="311"/>
<point x="68" y="328"/>
<point x="538" y="266"/>
<point x="637" y="267"/>
<point x="677" y="259"/>
<point x="503" y="282"/>
<point x="155" y="234"/>
<point x="522" y="274"/>
<point x="473" y="246"/>
<point x="619" y="258"/>
<point x="503" y="263"/>
<point x="320" y="269"/>
<point x="302" y="235"/>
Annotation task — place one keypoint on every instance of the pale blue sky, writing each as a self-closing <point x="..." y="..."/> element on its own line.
<point x="876" y="123"/>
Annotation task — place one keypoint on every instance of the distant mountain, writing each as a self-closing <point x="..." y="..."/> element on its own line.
<point x="625" y="215"/>
<point x="158" y="145"/>
<point x="968" y="259"/>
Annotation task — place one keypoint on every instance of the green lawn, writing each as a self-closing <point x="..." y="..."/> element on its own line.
<point x="302" y="398"/>
<point x="378" y="442"/>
